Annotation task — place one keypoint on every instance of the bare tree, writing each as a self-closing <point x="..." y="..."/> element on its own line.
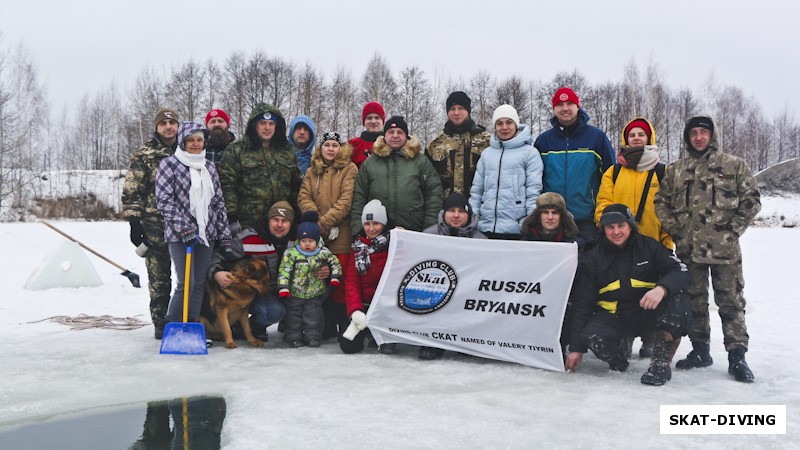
<point x="378" y="84"/>
<point x="482" y="86"/>
<point x="185" y="89"/>
<point x="146" y="97"/>
<point x="234" y="83"/>
<point x="212" y="86"/>
<point x="23" y="122"/>
<point x="343" y="113"/>
<point x="310" y="93"/>
<point x="414" y="95"/>
<point x="280" y="81"/>
<point x="512" y="92"/>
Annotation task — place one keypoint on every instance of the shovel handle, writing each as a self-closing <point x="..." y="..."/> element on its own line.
<point x="187" y="284"/>
<point x="48" y="225"/>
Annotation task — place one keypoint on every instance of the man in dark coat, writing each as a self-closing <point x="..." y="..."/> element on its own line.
<point x="628" y="285"/>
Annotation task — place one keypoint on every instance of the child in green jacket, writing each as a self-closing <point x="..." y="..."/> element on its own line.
<point x="299" y="287"/>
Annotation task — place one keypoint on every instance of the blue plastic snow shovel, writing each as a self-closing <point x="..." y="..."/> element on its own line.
<point x="185" y="338"/>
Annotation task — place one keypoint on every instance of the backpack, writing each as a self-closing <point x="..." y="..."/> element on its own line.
<point x="658" y="170"/>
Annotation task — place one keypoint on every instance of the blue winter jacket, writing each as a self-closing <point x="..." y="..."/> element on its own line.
<point x="507" y="182"/>
<point x="574" y="164"/>
<point x="303" y="154"/>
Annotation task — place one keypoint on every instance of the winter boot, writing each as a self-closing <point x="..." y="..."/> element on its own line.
<point x="388" y="349"/>
<point x="619" y="361"/>
<point x="648" y="342"/>
<point x="737" y="366"/>
<point x="700" y="356"/>
<point x="429" y="353"/>
<point x="663" y="351"/>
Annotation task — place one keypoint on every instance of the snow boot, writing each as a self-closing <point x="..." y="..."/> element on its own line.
<point x="663" y="350"/>
<point x="700" y="356"/>
<point x="388" y="349"/>
<point x="429" y="353"/>
<point x="619" y="361"/>
<point x="648" y="342"/>
<point x="737" y="366"/>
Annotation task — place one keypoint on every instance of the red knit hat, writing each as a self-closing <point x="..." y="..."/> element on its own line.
<point x="218" y="113"/>
<point x="640" y="124"/>
<point x="566" y="94"/>
<point x="372" y="108"/>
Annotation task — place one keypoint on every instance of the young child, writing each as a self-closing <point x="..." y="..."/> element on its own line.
<point x="299" y="286"/>
<point x="370" y="251"/>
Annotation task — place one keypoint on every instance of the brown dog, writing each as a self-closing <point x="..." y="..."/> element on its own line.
<point x="232" y="303"/>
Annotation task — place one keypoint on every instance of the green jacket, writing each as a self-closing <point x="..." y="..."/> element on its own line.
<point x="139" y="190"/>
<point x="404" y="181"/>
<point x="297" y="272"/>
<point x="254" y="178"/>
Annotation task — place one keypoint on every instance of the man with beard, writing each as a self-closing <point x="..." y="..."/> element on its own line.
<point x="147" y="223"/>
<point x="268" y="238"/>
<point x="455" y="152"/>
<point x="218" y="123"/>
<point x="302" y="136"/>
<point x="259" y="169"/>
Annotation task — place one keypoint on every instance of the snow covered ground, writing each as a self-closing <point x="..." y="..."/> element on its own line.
<point x="302" y="398"/>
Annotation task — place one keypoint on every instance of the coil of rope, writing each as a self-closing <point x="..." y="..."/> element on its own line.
<point x="85" y="322"/>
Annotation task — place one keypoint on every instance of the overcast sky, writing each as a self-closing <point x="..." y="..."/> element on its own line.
<point x="83" y="46"/>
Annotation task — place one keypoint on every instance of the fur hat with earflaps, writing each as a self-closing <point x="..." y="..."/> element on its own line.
<point x="551" y="200"/>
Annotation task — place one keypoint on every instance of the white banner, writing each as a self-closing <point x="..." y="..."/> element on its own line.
<point x="490" y="298"/>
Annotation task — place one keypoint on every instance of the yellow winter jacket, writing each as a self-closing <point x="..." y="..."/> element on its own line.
<point x="628" y="191"/>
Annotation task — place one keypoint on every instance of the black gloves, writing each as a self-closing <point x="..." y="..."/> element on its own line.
<point x="226" y="247"/>
<point x="138" y="237"/>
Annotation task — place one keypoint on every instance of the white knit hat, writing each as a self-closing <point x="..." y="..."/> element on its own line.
<point x="505" y="112"/>
<point x="374" y="211"/>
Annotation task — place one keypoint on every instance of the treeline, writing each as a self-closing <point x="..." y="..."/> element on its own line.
<point x="102" y="130"/>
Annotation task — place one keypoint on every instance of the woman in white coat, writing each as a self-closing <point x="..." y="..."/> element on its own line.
<point x="508" y="178"/>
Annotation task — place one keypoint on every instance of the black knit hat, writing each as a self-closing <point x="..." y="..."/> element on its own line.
<point x="396" y="122"/>
<point x="459" y="98"/>
<point x="617" y="213"/>
<point x="456" y="200"/>
<point x="697" y="122"/>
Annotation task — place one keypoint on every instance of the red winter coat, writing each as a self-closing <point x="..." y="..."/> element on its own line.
<point x="361" y="288"/>
<point x="361" y="150"/>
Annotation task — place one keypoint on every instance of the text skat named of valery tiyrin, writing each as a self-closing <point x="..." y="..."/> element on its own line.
<point x="503" y="307"/>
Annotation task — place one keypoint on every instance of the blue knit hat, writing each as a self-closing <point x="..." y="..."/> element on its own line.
<point x="309" y="229"/>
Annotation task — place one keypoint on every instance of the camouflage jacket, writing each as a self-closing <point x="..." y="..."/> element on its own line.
<point x="447" y="153"/>
<point x="297" y="272"/>
<point x="254" y="178"/>
<point x="706" y="203"/>
<point x="139" y="191"/>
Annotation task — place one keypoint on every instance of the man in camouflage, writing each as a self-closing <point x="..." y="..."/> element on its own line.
<point x="139" y="209"/>
<point x="706" y="202"/>
<point x="259" y="169"/>
<point x="455" y="152"/>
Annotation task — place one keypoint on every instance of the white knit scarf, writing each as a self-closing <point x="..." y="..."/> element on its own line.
<point x="201" y="190"/>
<point x="649" y="158"/>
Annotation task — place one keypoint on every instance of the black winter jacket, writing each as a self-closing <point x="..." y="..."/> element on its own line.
<point x="615" y="279"/>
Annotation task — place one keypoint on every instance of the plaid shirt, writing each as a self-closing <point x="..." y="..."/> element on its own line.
<point x="172" y="196"/>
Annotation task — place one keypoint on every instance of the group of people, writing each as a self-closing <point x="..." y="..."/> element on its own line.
<point x="648" y="235"/>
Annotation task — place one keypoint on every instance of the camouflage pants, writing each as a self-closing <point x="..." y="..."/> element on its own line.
<point x="728" y="283"/>
<point x="159" y="270"/>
